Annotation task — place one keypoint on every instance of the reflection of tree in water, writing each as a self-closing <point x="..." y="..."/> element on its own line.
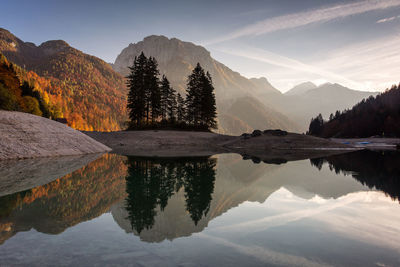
<point x="379" y="170"/>
<point x="151" y="182"/>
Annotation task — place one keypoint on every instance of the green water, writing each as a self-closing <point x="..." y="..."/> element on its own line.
<point x="209" y="211"/>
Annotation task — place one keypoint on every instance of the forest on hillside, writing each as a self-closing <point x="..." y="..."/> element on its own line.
<point x="26" y="91"/>
<point x="93" y="95"/>
<point x="374" y="116"/>
<point x="23" y="91"/>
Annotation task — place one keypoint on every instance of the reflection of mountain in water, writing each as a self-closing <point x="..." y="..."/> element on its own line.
<point x="169" y="212"/>
<point x="79" y="196"/>
<point x="375" y="169"/>
<point x="160" y="199"/>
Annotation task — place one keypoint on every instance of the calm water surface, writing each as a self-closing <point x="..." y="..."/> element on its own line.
<point x="210" y="211"/>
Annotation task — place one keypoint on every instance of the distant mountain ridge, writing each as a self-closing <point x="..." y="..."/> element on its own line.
<point x="307" y="100"/>
<point x="301" y="88"/>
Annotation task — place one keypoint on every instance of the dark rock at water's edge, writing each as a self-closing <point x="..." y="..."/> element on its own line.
<point x="256" y="133"/>
<point x="276" y="132"/>
<point x="246" y="136"/>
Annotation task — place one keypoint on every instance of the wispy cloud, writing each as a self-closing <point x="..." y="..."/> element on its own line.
<point x="388" y="19"/>
<point x="368" y="66"/>
<point x="268" y="256"/>
<point x="306" y="17"/>
<point x="373" y="64"/>
<point x="284" y="209"/>
<point x="287" y="63"/>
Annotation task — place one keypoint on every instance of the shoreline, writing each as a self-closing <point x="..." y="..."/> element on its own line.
<point x="266" y="146"/>
<point x="372" y="143"/>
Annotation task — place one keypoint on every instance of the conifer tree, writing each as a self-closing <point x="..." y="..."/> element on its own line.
<point x="180" y="108"/>
<point x="172" y="105"/>
<point x="208" y="104"/>
<point x="137" y="90"/>
<point x="153" y="89"/>
<point x="164" y="90"/>
<point x="316" y="125"/>
<point x="193" y="95"/>
<point x="200" y="99"/>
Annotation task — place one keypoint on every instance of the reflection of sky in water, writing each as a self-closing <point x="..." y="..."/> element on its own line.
<point x="291" y="214"/>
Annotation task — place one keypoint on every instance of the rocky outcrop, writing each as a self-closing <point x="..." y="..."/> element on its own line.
<point x="25" y="135"/>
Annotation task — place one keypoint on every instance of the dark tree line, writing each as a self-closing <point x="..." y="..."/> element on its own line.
<point x="374" y="116"/>
<point x="151" y="182"/>
<point x="153" y="103"/>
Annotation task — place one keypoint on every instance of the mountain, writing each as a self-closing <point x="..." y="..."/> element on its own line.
<point x="305" y="103"/>
<point x="90" y="94"/>
<point x="176" y="60"/>
<point x="263" y="86"/>
<point x="378" y="115"/>
<point x="301" y="88"/>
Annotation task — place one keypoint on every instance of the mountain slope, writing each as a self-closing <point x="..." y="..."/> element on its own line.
<point x="244" y="109"/>
<point x="176" y="60"/>
<point x="92" y="96"/>
<point x="301" y="88"/>
<point x="324" y="99"/>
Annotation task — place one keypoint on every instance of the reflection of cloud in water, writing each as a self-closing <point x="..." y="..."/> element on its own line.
<point x="370" y="217"/>
<point x="264" y="254"/>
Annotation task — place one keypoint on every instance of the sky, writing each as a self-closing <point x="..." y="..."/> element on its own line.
<point x="354" y="43"/>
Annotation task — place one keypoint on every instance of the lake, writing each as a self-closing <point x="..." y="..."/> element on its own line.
<point x="222" y="210"/>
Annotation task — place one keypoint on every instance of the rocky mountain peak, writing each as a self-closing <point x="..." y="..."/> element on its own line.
<point x="301" y="88"/>
<point x="264" y="86"/>
<point x="8" y="42"/>
<point x="54" y="46"/>
<point x="166" y="51"/>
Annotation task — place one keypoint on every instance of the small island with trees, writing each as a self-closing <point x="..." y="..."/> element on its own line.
<point x="154" y="104"/>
